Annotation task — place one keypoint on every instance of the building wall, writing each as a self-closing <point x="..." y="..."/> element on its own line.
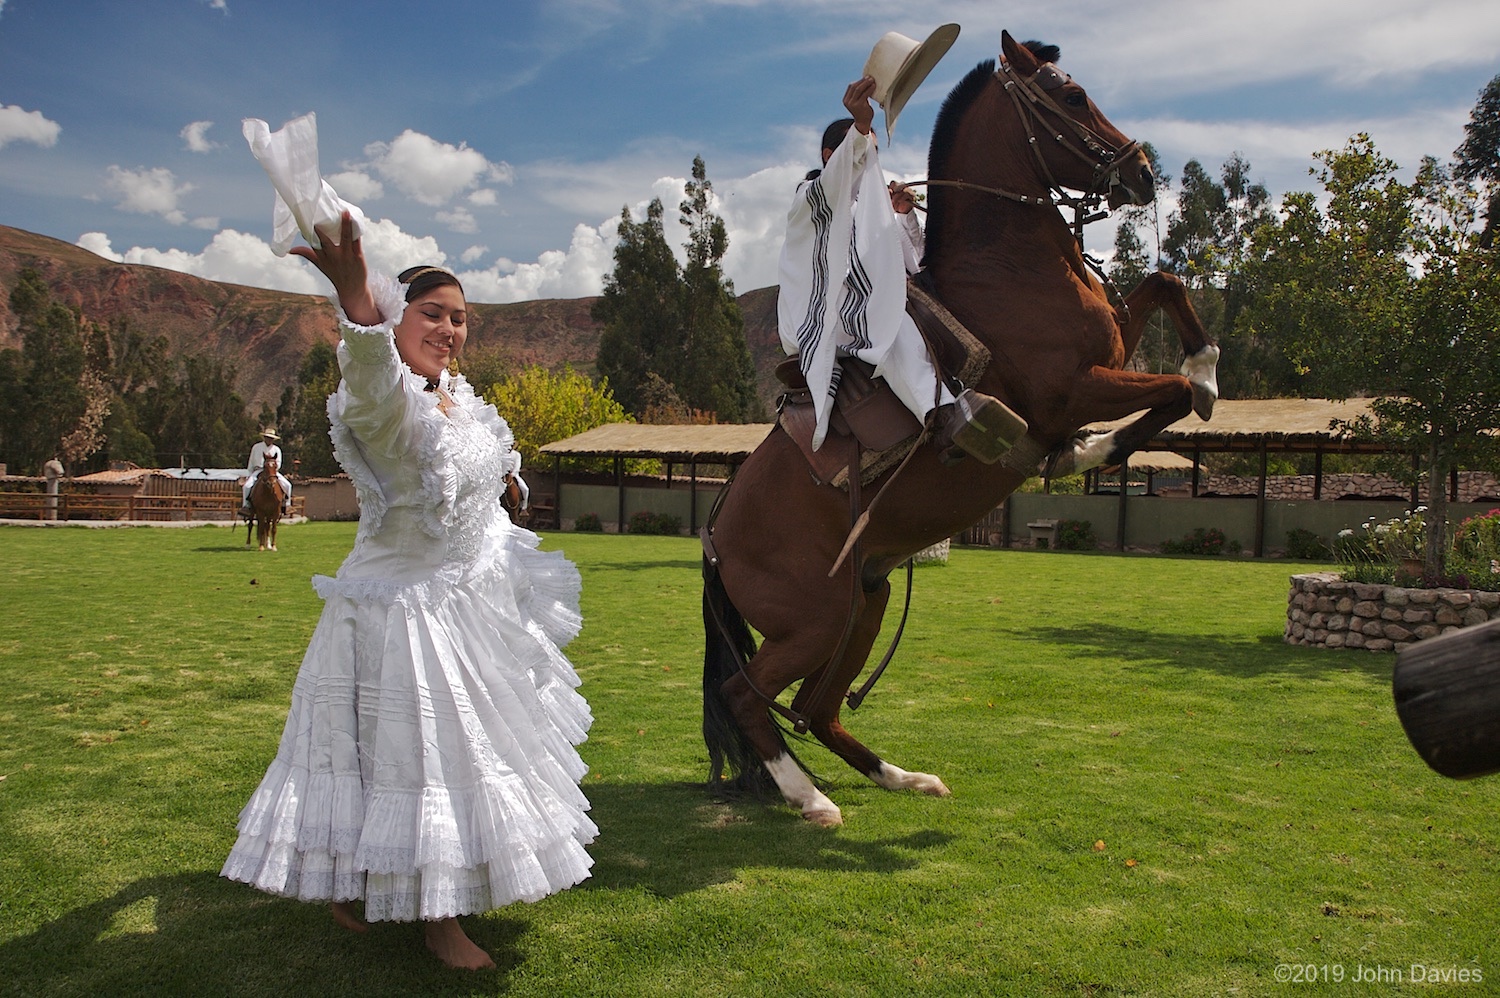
<point x="328" y="498"/>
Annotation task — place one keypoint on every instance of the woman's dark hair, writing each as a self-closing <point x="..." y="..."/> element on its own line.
<point x="420" y="280"/>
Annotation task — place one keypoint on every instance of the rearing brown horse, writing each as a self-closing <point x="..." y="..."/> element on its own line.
<point x="1005" y="263"/>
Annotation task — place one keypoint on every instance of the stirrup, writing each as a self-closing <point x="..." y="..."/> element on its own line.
<point x="983" y="426"/>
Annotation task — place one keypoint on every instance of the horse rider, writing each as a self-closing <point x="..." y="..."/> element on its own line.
<point x="851" y="241"/>
<point x="267" y="446"/>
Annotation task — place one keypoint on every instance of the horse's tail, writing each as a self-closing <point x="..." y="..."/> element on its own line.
<point x="734" y="767"/>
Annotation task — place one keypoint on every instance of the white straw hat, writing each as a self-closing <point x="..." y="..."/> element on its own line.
<point x="899" y="65"/>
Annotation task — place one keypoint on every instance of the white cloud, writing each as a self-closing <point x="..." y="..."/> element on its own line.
<point x="148" y="192"/>
<point x="430" y="171"/>
<point x="232" y="257"/>
<point x="239" y="258"/>
<point x="194" y="138"/>
<point x="356" y="186"/>
<point x="484" y="197"/>
<point x="575" y="273"/>
<point x="391" y="250"/>
<point x="459" y="219"/>
<point x="98" y="244"/>
<point x="19" y="125"/>
<point x="473" y="253"/>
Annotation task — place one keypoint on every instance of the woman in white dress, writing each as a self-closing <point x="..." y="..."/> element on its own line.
<point x="428" y="766"/>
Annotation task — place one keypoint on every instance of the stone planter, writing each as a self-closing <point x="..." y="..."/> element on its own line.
<point x="1324" y="610"/>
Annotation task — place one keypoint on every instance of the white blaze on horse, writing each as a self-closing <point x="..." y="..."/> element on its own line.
<point x="1000" y="257"/>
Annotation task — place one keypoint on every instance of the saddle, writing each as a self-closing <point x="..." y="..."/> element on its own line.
<point x="870" y="426"/>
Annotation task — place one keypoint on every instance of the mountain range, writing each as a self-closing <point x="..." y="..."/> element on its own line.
<point x="265" y="334"/>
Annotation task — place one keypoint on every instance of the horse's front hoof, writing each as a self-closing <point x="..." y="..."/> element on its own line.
<point x="824" y="818"/>
<point x="1202" y="372"/>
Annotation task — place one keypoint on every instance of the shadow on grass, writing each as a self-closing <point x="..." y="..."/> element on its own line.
<point x="1203" y="652"/>
<point x="674" y="839"/>
<point x="198" y="934"/>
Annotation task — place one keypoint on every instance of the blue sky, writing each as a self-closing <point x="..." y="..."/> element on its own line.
<point x="502" y="138"/>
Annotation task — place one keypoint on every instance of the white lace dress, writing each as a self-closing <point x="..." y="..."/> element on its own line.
<point x="428" y="765"/>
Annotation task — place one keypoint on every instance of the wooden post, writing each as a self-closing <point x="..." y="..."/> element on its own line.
<point x="557" y="488"/>
<point x="1447" y="692"/>
<point x="1197" y="460"/>
<point x="693" y="498"/>
<point x="1260" y="504"/>
<point x="1318" y="471"/>
<point x="1120" y="514"/>
<point x="620" y="481"/>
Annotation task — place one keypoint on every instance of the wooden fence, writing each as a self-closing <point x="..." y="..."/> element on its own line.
<point x="87" y="506"/>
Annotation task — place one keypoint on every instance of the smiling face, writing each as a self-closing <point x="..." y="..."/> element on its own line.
<point x="432" y="330"/>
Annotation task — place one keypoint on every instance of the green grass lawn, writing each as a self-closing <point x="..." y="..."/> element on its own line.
<point x="1152" y="794"/>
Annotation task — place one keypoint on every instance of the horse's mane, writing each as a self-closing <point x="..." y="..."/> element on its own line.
<point x="945" y="131"/>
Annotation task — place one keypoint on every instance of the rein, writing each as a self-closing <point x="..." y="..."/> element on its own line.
<point x="1031" y="98"/>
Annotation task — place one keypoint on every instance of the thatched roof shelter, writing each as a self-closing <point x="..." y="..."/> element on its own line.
<point x="1237" y="424"/>
<point x="1160" y="460"/>
<point x="1245" y="424"/>
<point x="718" y="443"/>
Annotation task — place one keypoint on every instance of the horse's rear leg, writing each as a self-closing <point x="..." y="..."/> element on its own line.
<point x="823" y="717"/>
<point x="774" y="659"/>
<point x="1168" y="293"/>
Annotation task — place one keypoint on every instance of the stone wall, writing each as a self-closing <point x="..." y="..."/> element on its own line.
<point x="1324" y="610"/>
<point x="1473" y="486"/>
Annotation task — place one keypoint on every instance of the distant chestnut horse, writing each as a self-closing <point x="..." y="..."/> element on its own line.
<point x="1006" y="264"/>
<point x="266" y="499"/>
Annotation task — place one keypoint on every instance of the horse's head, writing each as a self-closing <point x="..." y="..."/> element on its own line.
<point x="1077" y="146"/>
<point x="271" y="465"/>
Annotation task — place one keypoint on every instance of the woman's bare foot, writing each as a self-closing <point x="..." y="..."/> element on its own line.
<point x="344" y="914"/>
<point x="448" y="942"/>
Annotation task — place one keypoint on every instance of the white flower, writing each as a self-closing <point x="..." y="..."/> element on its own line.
<point x="1346" y="532"/>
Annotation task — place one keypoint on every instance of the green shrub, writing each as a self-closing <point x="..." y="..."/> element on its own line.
<point x="1305" y="545"/>
<point x="1076" y="535"/>
<point x="1202" y="540"/>
<point x="647" y="522"/>
<point x="589" y="523"/>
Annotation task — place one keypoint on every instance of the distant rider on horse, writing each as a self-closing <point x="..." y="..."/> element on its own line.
<point x="845" y="262"/>
<point x="266" y="447"/>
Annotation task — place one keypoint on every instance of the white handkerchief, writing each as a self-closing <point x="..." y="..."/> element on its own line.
<point x="305" y="202"/>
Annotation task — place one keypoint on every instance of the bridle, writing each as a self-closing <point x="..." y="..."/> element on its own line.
<point x="1033" y="100"/>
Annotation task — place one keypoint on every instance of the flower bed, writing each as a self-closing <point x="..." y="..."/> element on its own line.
<point x="1325" y="610"/>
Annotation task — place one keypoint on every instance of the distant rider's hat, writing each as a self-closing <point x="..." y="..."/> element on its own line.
<point x="270" y="431"/>
<point x="899" y="65"/>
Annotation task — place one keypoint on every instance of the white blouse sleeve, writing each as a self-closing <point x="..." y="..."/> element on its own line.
<point x="374" y="399"/>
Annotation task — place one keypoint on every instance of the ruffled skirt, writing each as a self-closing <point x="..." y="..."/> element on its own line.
<point x="428" y="765"/>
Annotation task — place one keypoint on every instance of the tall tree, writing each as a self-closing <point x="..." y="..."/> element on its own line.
<point x="679" y="323"/>
<point x="1207" y="245"/>
<point x="1390" y="291"/>
<point x="45" y="375"/>
<point x="641" y="308"/>
<point x="305" y="425"/>
<point x="717" y="373"/>
<point x="1478" y="158"/>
